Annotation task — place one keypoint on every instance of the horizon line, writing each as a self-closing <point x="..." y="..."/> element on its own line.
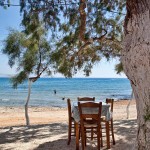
<point x="75" y="77"/>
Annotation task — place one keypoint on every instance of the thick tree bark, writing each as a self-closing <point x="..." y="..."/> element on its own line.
<point x="136" y="63"/>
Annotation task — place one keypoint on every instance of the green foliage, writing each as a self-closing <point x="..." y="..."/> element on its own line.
<point x="29" y="51"/>
<point x="62" y="21"/>
<point x="147" y="117"/>
<point x="119" y="68"/>
<point x="19" y="79"/>
<point x="12" y="46"/>
<point x="147" y="113"/>
<point x="62" y="18"/>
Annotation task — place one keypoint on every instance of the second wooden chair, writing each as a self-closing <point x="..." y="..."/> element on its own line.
<point x="111" y="128"/>
<point x="71" y="122"/>
<point x="86" y="98"/>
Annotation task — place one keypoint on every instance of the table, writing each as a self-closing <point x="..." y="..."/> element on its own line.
<point x="105" y="112"/>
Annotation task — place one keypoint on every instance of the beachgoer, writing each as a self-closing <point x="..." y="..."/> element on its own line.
<point x="54" y="91"/>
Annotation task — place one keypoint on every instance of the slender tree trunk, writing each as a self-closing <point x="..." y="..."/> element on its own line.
<point x="27" y="102"/>
<point x="136" y="63"/>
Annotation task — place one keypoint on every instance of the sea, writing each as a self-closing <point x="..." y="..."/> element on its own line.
<point x="54" y="92"/>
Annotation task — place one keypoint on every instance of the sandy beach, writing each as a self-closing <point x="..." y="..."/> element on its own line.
<point x="48" y="130"/>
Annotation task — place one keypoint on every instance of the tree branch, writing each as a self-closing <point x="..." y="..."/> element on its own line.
<point x="91" y="40"/>
<point x="33" y="79"/>
<point x="82" y="27"/>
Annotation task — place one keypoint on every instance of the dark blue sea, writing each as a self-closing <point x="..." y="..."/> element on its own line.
<point x="42" y="92"/>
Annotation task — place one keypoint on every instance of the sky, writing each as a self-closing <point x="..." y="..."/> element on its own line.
<point x="11" y="18"/>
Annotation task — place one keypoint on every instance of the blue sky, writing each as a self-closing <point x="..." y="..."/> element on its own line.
<point x="11" y="17"/>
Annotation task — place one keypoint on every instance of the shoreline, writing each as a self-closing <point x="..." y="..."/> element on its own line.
<point x="122" y="101"/>
<point x="12" y="116"/>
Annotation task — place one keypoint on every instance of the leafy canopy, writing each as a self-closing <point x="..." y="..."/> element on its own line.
<point x="81" y="31"/>
<point x="30" y="51"/>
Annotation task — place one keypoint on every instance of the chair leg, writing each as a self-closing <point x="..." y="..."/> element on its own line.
<point x="69" y="133"/>
<point x="79" y="133"/>
<point x="98" y="139"/>
<point x="112" y="132"/>
<point x="107" y="134"/>
<point x="101" y="136"/>
<point x="83" y="139"/>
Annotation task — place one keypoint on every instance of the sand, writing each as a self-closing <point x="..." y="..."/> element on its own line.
<point x="48" y="130"/>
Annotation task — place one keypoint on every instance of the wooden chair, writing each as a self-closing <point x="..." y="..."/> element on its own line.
<point x="111" y="129"/>
<point x="71" y="122"/>
<point x="90" y="122"/>
<point x="86" y="99"/>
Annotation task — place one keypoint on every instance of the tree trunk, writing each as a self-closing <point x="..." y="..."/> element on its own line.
<point x="136" y="63"/>
<point x="27" y="102"/>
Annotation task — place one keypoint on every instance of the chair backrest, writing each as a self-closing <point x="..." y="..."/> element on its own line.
<point x="111" y="102"/>
<point x="69" y="109"/>
<point x="90" y="110"/>
<point x="86" y="99"/>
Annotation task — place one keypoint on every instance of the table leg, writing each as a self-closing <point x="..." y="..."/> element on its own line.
<point x="107" y="135"/>
<point x="77" y="135"/>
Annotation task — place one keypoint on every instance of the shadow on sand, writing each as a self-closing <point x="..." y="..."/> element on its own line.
<point x="26" y="134"/>
<point x="54" y="137"/>
<point x="125" y="134"/>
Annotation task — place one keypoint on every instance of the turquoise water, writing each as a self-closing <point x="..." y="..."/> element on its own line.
<point x="42" y="93"/>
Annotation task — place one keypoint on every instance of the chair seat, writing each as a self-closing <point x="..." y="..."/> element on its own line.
<point x="91" y="125"/>
<point x="90" y="122"/>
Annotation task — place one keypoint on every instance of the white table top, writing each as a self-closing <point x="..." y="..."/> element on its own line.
<point x="103" y="103"/>
<point x="105" y="110"/>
